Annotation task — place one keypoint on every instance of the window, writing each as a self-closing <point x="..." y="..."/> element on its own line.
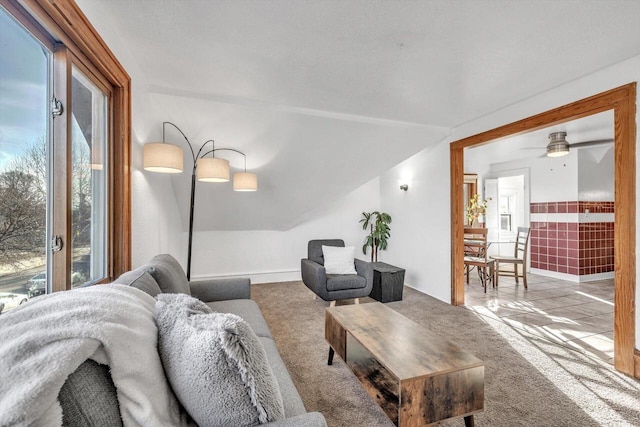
<point x="64" y="153"/>
<point x="24" y="169"/>
<point x="88" y="180"/>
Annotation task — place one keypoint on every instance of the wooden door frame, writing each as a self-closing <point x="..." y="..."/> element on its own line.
<point x="622" y="101"/>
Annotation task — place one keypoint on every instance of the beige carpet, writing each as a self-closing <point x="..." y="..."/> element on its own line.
<point x="528" y="380"/>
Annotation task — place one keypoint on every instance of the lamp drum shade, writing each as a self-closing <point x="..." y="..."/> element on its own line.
<point x="245" y="181"/>
<point x="162" y="157"/>
<point x="212" y="169"/>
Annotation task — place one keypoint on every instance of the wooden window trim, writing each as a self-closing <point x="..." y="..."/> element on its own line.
<point x="61" y="159"/>
<point x="622" y="101"/>
<point x="64" y="22"/>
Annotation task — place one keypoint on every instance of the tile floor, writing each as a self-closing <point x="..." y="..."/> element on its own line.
<point x="577" y="315"/>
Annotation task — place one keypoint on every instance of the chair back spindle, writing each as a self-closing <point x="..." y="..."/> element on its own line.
<point x="522" y="243"/>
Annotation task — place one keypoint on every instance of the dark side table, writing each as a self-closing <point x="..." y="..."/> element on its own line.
<point x="388" y="282"/>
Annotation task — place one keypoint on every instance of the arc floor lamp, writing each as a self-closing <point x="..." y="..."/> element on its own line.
<point x="168" y="158"/>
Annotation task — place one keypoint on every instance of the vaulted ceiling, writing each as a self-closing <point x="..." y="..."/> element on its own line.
<point x="323" y="96"/>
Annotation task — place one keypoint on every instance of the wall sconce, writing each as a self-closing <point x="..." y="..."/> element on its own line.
<point x="404" y="187"/>
<point x="167" y="158"/>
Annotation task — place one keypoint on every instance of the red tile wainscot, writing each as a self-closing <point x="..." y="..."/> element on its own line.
<point x="555" y="247"/>
<point x="571" y="247"/>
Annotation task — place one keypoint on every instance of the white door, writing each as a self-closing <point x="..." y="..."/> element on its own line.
<point x="492" y="216"/>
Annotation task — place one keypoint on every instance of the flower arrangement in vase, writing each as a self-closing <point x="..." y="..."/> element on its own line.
<point x="475" y="208"/>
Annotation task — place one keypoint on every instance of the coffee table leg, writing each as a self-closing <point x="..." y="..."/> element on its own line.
<point x="468" y="421"/>
<point x="331" y="353"/>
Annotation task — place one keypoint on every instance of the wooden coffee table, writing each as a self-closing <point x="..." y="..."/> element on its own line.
<point x="416" y="377"/>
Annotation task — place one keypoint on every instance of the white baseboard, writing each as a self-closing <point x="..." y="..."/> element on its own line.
<point x="555" y="275"/>
<point x="258" y="277"/>
<point x="572" y="277"/>
<point x="597" y="276"/>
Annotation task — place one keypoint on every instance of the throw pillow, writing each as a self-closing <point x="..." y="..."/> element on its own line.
<point x="170" y="276"/>
<point x="339" y="260"/>
<point x="215" y="364"/>
<point x="141" y="279"/>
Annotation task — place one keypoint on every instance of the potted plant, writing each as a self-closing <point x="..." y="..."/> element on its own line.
<point x="475" y="208"/>
<point x="379" y="232"/>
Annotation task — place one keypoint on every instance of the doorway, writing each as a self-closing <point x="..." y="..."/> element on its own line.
<point x="507" y="208"/>
<point x="622" y="101"/>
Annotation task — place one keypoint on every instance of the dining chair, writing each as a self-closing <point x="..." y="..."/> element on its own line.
<point x="519" y="258"/>
<point x="475" y="254"/>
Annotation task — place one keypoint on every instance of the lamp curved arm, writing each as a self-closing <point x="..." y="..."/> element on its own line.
<point x="194" y="156"/>
<point x="198" y="156"/>
<point x="183" y="135"/>
<point x="226" y="149"/>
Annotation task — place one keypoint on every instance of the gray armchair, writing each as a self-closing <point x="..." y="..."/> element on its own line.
<point x="332" y="287"/>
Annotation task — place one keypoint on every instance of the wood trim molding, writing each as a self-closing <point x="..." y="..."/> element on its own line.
<point x="65" y="20"/>
<point x="622" y="101"/>
<point x="457" y="224"/>
<point x="636" y="356"/>
<point x="61" y="224"/>
<point x="121" y="196"/>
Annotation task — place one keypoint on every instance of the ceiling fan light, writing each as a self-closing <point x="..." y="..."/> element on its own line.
<point x="558" y="146"/>
<point x="245" y="181"/>
<point x="162" y="157"/>
<point x="212" y="169"/>
<point x="557" y="151"/>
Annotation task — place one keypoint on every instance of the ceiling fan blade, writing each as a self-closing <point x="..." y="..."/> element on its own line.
<point x="591" y="143"/>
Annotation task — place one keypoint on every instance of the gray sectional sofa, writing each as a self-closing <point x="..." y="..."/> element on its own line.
<point x="163" y="274"/>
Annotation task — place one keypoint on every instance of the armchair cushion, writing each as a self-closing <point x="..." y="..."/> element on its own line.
<point x="170" y="276"/>
<point x="339" y="260"/>
<point x="339" y="282"/>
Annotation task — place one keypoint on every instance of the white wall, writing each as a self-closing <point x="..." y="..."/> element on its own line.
<point x="155" y="222"/>
<point x="421" y="238"/>
<point x="268" y="256"/>
<point x="596" y="173"/>
<point x="552" y="179"/>
<point x="421" y="228"/>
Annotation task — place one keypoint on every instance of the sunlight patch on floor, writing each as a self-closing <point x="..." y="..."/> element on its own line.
<point x="578" y="316"/>
<point x="590" y="383"/>
<point x="595" y="298"/>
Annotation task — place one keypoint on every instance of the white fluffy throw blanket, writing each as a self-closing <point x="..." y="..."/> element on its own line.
<point x="46" y="339"/>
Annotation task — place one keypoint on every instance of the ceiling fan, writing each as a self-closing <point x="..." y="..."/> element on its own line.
<point x="559" y="146"/>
